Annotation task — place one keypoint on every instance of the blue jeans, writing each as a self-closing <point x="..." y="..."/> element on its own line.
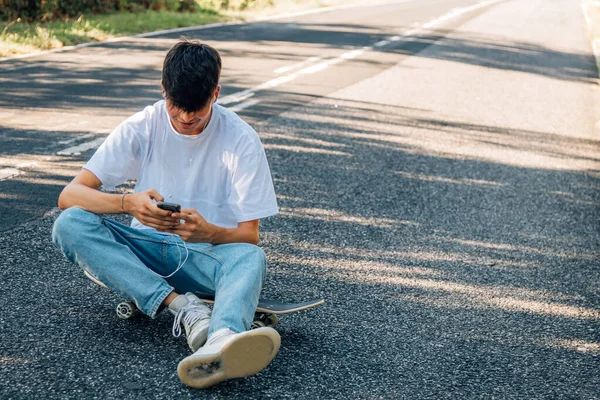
<point x="127" y="260"/>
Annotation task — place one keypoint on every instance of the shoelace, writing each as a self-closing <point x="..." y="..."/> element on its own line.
<point x="191" y="313"/>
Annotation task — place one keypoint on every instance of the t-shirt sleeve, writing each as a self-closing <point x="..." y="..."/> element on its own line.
<point x="118" y="158"/>
<point x="253" y="195"/>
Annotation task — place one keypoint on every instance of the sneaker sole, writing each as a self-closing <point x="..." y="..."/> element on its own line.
<point x="244" y="356"/>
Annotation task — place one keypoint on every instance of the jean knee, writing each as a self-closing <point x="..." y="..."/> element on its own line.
<point x="69" y="223"/>
<point x="258" y="258"/>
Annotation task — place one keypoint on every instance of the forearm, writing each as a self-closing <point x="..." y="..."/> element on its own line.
<point x="234" y="235"/>
<point x="93" y="200"/>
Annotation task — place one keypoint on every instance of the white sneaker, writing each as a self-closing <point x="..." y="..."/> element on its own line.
<point x="229" y="355"/>
<point x="190" y="311"/>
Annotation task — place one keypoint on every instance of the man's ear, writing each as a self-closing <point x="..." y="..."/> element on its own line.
<point x="217" y="90"/>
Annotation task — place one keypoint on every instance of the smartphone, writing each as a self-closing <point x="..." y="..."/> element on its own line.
<point x="169" y="206"/>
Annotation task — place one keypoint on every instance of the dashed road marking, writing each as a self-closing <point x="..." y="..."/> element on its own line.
<point x="244" y="105"/>
<point x="381" y="43"/>
<point x="292" y="67"/>
<point x="80" y="148"/>
<point x="78" y="138"/>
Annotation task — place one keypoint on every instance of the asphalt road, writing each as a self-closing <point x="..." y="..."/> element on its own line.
<point x="437" y="170"/>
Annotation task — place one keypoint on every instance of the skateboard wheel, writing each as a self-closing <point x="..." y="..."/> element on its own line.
<point x="257" y="324"/>
<point x="271" y="320"/>
<point x="126" y="310"/>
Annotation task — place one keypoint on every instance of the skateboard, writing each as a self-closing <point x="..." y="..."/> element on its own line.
<point x="266" y="314"/>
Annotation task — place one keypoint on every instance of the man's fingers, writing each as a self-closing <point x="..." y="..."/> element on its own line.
<point x="159" y="211"/>
<point x="148" y="220"/>
<point x="155" y="195"/>
<point x="158" y="227"/>
<point x="187" y="214"/>
<point x="153" y="211"/>
<point x="184" y="216"/>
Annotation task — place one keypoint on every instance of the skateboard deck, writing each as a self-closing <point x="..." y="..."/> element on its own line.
<point x="273" y="306"/>
<point x="266" y="311"/>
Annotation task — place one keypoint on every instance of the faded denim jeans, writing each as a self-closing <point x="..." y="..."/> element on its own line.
<point x="127" y="260"/>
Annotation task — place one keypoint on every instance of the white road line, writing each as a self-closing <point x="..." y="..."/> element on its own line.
<point x="236" y="97"/>
<point x="288" y="68"/>
<point x="457" y="12"/>
<point x="246" y="104"/>
<point x="6" y="173"/>
<point x="78" y="138"/>
<point x="76" y="150"/>
<point x="381" y="43"/>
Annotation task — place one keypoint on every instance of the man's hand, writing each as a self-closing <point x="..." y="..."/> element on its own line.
<point x="194" y="228"/>
<point x="141" y="206"/>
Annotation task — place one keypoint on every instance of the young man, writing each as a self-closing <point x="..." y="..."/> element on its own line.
<point x="187" y="150"/>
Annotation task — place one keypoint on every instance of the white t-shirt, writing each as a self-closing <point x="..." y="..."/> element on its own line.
<point x="223" y="172"/>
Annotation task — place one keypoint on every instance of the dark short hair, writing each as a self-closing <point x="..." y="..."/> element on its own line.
<point x="190" y="75"/>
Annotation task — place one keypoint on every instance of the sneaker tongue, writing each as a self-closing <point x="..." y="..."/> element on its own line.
<point x="177" y="303"/>
<point x="192" y="298"/>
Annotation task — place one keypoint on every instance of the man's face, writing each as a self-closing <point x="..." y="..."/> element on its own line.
<point x="192" y="123"/>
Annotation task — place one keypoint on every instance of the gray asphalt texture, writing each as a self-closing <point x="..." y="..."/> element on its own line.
<point x="458" y="258"/>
